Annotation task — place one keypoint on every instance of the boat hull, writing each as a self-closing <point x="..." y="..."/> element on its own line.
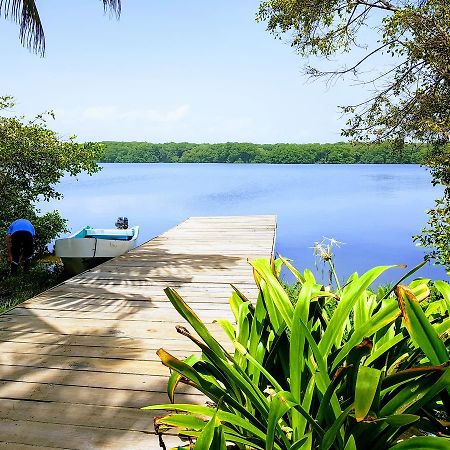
<point x="81" y="253"/>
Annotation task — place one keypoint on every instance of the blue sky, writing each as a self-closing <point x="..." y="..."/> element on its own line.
<point x="169" y="70"/>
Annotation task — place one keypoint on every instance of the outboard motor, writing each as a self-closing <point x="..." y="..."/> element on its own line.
<point x="122" y="223"/>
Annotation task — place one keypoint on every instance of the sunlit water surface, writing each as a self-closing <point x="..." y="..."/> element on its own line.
<point x="373" y="209"/>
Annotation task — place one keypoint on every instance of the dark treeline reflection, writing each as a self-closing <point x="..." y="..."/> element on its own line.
<point x="237" y="152"/>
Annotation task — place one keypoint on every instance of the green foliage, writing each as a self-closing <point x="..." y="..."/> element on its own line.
<point x="436" y="235"/>
<point x="410" y="98"/>
<point x="14" y="290"/>
<point x="32" y="160"/>
<point x="369" y="372"/>
<point x="234" y="152"/>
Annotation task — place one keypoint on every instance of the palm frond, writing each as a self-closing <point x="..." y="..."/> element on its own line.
<point x="115" y="6"/>
<point x="26" y="14"/>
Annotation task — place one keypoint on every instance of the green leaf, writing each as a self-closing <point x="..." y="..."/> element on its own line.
<point x="382" y="349"/>
<point x="184" y="421"/>
<point x="175" y="377"/>
<point x="299" y="277"/>
<point x="180" y="367"/>
<point x="351" y="444"/>
<point x="417" y="394"/>
<point x="279" y="406"/>
<point x="333" y="432"/>
<point x="224" y="416"/>
<point x="276" y="293"/>
<point x="297" y="445"/>
<point x="297" y="351"/>
<point x="366" y="388"/>
<point x="213" y="391"/>
<point x="350" y="295"/>
<point x="423" y="443"/>
<point x="228" y="327"/>
<point x="235" y="301"/>
<point x="185" y="311"/>
<point x="211" y="436"/>
<point x="408" y="374"/>
<point x="321" y="372"/>
<point x="444" y="289"/>
<point x="229" y="437"/>
<point x="386" y="315"/>
<point x="419" y="328"/>
<point x="400" y="420"/>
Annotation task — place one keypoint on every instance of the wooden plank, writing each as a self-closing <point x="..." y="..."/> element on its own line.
<point x="150" y="382"/>
<point x="82" y="395"/>
<point x="77" y="437"/>
<point x="113" y="305"/>
<point x="114" y="417"/>
<point x="16" y="446"/>
<point x="79" y="361"/>
<point x="177" y="348"/>
<point x="89" y="326"/>
<point x="112" y="344"/>
<point x="134" y="313"/>
<point x="85" y="292"/>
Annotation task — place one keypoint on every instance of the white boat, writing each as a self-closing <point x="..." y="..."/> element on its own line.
<point x="89" y="247"/>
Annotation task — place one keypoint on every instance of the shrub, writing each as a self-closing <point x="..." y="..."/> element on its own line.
<point x="341" y="369"/>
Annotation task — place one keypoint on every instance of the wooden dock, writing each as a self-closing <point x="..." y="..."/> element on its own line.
<point x="78" y="361"/>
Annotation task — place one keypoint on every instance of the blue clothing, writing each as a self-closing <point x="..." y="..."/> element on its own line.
<point x="21" y="225"/>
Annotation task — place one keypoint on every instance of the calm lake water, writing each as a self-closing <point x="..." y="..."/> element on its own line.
<point x="373" y="209"/>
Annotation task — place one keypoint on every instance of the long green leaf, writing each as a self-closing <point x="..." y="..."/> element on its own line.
<point x="228" y="327"/>
<point x="419" y="328"/>
<point x="333" y="432"/>
<point x="404" y="277"/>
<point x="185" y="311"/>
<point x="229" y="437"/>
<point x="386" y="315"/>
<point x="444" y="289"/>
<point x="416" y="394"/>
<point x="349" y="297"/>
<point x="299" y="277"/>
<point x="185" y="421"/>
<point x="175" y="377"/>
<point x="351" y="444"/>
<point x="366" y="388"/>
<point x="299" y="445"/>
<point x="423" y="443"/>
<point x="276" y="292"/>
<point x="214" y="391"/>
<point x="297" y="351"/>
<point x="224" y="416"/>
<point x="211" y="436"/>
<point x="382" y="349"/>
<point x="279" y="406"/>
<point x="306" y="404"/>
<point x="400" y="420"/>
<point x="323" y="379"/>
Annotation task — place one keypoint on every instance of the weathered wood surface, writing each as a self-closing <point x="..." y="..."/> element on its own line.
<point x="78" y="361"/>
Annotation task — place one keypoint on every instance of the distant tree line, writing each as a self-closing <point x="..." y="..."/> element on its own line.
<point x="237" y="152"/>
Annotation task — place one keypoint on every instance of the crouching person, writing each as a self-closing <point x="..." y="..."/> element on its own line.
<point x="20" y="243"/>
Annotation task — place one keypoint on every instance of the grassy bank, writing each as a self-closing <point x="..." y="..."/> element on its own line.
<point x="15" y="290"/>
